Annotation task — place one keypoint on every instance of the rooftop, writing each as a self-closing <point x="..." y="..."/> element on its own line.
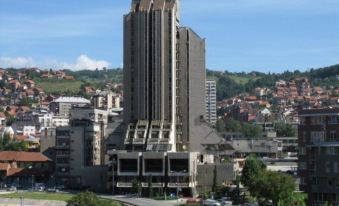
<point x="72" y="100"/>
<point x="23" y="156"/>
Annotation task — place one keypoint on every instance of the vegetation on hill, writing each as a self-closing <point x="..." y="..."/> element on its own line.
<point x="229" y="84"/>
<point x="232" y="84"/>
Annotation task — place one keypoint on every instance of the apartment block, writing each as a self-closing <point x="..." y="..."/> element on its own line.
<point x="80" y="148"/>
<point x="319" y="155"/>
<point x="211" y="101"/>
<point x="63" y="105"/>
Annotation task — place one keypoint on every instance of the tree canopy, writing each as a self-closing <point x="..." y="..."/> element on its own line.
<point x="269" y="186"/>
<point x="8" y="144"/>
<point x="88" y="199"/>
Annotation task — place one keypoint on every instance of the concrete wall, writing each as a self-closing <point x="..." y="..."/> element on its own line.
<point x="224" y="172"/>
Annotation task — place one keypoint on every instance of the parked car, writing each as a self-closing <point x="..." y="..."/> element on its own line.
<point x="60" y="187"/>
<point x="226" y="201"/>
<point x="210" y="202"/>
<point x="12" y="188"/>
<point x="52" y="189"/>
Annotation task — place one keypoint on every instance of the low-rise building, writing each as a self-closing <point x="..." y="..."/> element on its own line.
<point x="62" y="105"/>
<point x="23" y="168"/>
<point x="170" y="170"/>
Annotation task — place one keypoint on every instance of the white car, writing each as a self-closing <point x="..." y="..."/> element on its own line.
<point x="226" y="203"/>
<point x="210" y="202"/>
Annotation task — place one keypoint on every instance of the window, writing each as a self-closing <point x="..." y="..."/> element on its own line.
<point x="302" y="166"/>
<point x="328" y="167"/>
<point x="333" y="120"/>
<point x="333" y="136"/>
<point x="331" y="151"/>
<point x="302" y="151"/>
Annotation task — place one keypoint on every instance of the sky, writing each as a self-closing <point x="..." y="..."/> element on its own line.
<point x="241" y="35"/>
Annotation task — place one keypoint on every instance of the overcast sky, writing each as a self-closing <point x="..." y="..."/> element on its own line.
<point x="241" y="35"/>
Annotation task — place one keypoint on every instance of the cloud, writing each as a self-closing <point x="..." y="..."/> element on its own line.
<point x="17" y="62"/>
<point x="83" y="62"/>
<point x="86" y="63"/>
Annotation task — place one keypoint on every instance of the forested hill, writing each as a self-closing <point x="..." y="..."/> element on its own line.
<point x="230" y="84"/>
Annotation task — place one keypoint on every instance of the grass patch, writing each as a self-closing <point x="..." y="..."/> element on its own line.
<point x="242" y="79"/>
<point x="60" y="86"/>
<point x="50" y="196"/>
<point x="39" y="196"/>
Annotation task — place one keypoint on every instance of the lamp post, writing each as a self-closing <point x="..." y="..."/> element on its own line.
<point x="31" y="167"/>
<point x="113" y="185"/>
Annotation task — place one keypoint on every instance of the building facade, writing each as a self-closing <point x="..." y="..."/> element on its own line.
<point x="319" y="155"/>
<point x="211" y="101"/>
<point x="80" y="148"/>
<point x="164" y="102"/>
<point x="63" y="105"/>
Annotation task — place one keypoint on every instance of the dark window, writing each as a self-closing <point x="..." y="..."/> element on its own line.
<point x="153" y="165"/>
<point x="128" y="165"/>
<point x="179" y="165"/>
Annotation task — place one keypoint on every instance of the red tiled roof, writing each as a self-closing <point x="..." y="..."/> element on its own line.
<point x="4" y="166"/>
<point x="23" y="156"/>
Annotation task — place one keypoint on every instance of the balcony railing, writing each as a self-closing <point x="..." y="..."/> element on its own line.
<point x="124" y="184"/>
<point x="180" y="184"/>
<point x="154" y="184"/>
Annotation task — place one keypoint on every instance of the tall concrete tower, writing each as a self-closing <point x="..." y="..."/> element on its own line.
<point x="155" y="89"/>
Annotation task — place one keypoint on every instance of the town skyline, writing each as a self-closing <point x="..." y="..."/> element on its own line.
<point x="269" y="36"/>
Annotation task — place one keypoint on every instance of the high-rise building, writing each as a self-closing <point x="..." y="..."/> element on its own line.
<point x="164" y="73"/>
<point x="191" y="76"/>
<point x="150" y="59"/>
<point x="211" y="101"/>
<point x="319" y="155"/>
<point x="164" y="102"/>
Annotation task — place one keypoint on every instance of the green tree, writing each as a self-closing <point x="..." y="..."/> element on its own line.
<point x="233" y="125"/>
<point x="220" y="125"/>
<point x="296" y="199"/>
<point x="251" y="172"/>
<point x="214" y="186"/>
<point x="285" y="130"/>
<point x="275" y="186"/>
<point x="150" y="186"/>
<point x="251" y="131"/>
<point x="88" y="199"/>
<point x="7" y="144"/>
<point x="136" y="186"/>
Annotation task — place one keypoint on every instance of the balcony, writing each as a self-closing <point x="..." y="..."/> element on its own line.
<point x="124" y="184"/>
<point x="154" y="184"/>
<point x="180" y="184"/>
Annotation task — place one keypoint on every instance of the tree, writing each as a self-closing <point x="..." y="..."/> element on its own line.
<point x="150" y="186"/>
<point x="275" y="186"/>
<point x="88" y="199"/>
<point x="285" y="130"/>
<point x="251" y="131"/>
<point x="220" y="125"/>
<point x="233" y="125"/>
<point x="251" y="172"/>
<point x="136" y="186"/>
<point x="7" y="144"/>
<point x="214" y="186"/>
